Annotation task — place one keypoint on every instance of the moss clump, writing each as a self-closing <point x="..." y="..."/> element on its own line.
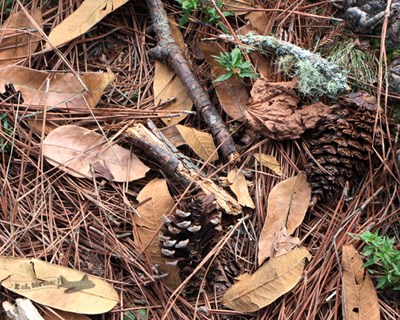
<point x="312" y="82"/>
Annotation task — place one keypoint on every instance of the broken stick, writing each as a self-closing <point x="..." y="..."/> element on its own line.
<point x="169" y="51"/>
<point x="179" y="166"/>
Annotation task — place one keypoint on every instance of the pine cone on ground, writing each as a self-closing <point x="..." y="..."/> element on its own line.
<point x="341" y="144"/>
<point x="188" y="236"/>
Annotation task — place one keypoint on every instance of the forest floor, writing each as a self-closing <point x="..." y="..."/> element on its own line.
<point x="89" y="224"/>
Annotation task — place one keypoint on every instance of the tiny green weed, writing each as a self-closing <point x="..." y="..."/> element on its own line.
<point x="383" y="260"/>
<point x="212" y="15"/>
<point x="235" y="65"/>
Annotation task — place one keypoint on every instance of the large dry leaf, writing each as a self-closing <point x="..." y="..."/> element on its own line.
<point x="268" y="283"/>
<point x="238" y="185"/>
<point x="48" y="89"/>
<point x="82" y="153"/>
<point x="273" y="111"/>
<point x="57" y="286"/>
<point x="168" y="87"/>
<point x="85" y="17"/>
<point x="232" y="93"/>
<point x="15" y="42"/>
<point x="287" y="205"/>
<point x="359" y="298"/>
<point x="269" y="161"/>
<point x="148" y="221"/>
<point x="202" y="143"/>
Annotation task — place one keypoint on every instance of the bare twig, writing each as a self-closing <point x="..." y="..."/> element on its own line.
<point x="168" y="50"/>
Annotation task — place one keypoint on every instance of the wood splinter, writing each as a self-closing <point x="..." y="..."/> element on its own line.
<point x="179" y="166"/>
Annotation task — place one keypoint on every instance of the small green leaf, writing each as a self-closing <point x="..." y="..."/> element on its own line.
<point x="224" y="77"/>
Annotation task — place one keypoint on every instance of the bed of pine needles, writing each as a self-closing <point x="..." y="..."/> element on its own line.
<point x="87" y="225"/>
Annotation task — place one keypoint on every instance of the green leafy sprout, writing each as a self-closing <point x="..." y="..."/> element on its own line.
<point x="5" y="130"/>
<point x="213" y="17"/>
<point x="235" y="65"/>
<point x="383" y="260"/>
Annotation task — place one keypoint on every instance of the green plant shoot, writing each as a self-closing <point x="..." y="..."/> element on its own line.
<point x="383" y="259"/>
<point x="235" y="65"/>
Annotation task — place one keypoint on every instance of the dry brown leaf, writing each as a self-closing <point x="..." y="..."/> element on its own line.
<point x="272" y="110"/>
<point x="239" y="187"/>
<point x="57" y="286"/>
<point x="269" y="161"/>
<point x="15" y="42"/>
<point x="48" y="89"/>
<point x="202" y="143"/>
<point x="148" y="222"/>
<point x="167" y="86"/>
<point x="287" y="205"/>
<point x="259" y="23"/>
<point x="272" y="280"/>
<point x="359" y="298"/>
<point x="239" y="7"/>
<point x="232" y="93"/>
<point x="173" y="136"/>
<point x="79" y="22"/>
<point x="77" y="150"/>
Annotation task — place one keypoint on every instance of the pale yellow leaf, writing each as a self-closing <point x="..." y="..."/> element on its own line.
<point x="15" y="42"/>
<point x="201" y="143"/>
<point x="80" y="151"/>
<point x="359" y="298"/>
<point x="232" y="93"/>
<point x="41" y="89"/>
<point x="238" y="185"/>
<point x="287" y="205"/>
<point x="57" y="286"/>
<point x="167" y="86"/>
<point x="272" y="280"/>
<point x="269" y="161"/>
<point x="149" y="220"/>
<point x="79" y="22"/>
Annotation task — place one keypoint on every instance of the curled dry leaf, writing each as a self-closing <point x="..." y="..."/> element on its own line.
<point x="272" y="110"/>
<point x="41" y="89"/>
<point x="79" y="22"/>
<point x="232" y="93"/>
<point x="148" y="222"/>
<point x="287" y="205"/>
<point x="202" y="143"/>
<point x="269" y="161"/>
<point x="239" y="187"/>
<point x="168" y="87"/>
<point x="359" y="298"/>
<point x="272" y="280"/>
<point x="80" y="151"/>
<point x="16" y="43"/>
<point x="57" y="286"/>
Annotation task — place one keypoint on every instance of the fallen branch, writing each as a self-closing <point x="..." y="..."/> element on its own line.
<point x="169" y="51"/>
<point x="177" y="165"/>
<point x="335" y="80"/>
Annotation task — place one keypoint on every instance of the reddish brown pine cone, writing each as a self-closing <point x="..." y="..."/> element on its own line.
<point x="189" y="235"/>
<point x="341" y="144"/>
